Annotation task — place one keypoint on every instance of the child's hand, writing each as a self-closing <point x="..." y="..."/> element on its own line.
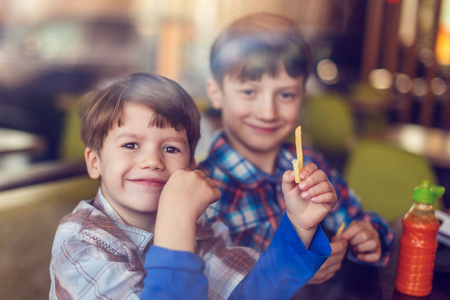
<point x="308" y="202"/>
<point x="332" y="264"/>
<point x="189" y="192"/>
<point x="364" y="240"/>
<point x="184" y="198"/>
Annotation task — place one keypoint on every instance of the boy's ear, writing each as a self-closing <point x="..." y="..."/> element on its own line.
<point x="92" y="163"/>
<point x="214" y="92"/>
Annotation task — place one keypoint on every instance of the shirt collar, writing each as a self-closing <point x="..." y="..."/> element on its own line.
<point x="139" y="237"/>
<point x="242" y="170"/>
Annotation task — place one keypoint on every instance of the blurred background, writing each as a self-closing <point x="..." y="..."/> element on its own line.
<point x="380" y="78"/>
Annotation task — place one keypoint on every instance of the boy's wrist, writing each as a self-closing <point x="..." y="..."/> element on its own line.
<point x="306" y="234"/>
<point x="175" y="231"/>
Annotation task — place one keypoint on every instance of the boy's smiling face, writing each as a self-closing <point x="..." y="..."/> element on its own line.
<point x="136" y="161"/>
<point x="258" y="115"/>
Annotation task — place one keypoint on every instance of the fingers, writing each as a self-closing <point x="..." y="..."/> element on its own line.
<point x="359" y="232"/>
<point x="318" y="189"/>
<point x="307" y="170"/>
<point x="320" y="193"/>
<point x="314" y="176"/>
<point x="370" y="257"/>
<point x="197" y="180"/>
<point x="288" y="180"/>
<point x="364" y="240"/>
<point x="316" y="182"/>
<point x="288" y="176"/>
<point x="200" y="173"/>
<point x="338" y="246"/>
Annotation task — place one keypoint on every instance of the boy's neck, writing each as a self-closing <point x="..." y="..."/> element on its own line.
<point x="263" y="160"/>
<point x="147" y="223"/>
<point x="142" y="221"/>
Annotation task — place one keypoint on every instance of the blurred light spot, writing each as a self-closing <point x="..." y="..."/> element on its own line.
<point x="380" y="79"/>
<point x="49" y="50"/>
<point x="408" y="22"/>
<point x="438" y="86"/>
<point x="327" y="71"/>
<point x="413" y="139"/>
<point x="443" y="34"/>
<point x="403" y="83"/>
<point x="420" y="87"/>
<point x="426" y="56"/>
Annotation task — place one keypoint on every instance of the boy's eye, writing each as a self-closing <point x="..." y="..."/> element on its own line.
<point x="287" y="96"/>
<point x="130" y="146"/>
<point x="248" y="92"/>
<point x="171" y="149"/>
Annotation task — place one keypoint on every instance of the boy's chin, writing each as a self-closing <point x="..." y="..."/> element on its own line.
<point x="147" y="208"/>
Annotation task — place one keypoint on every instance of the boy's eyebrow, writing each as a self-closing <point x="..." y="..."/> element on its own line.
<point x="298" y="87"/>
<point x="127" y="135"/>
<point x="131" y="135"/>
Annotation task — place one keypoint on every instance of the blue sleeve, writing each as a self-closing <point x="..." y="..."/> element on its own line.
<point x="174" y="275"/>
<point x="286" y="265"/>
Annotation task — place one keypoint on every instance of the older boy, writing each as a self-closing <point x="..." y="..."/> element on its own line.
<point x="140" y="137"/>
<point x="260" y="64"/>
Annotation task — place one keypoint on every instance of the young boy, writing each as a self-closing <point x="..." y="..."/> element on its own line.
<point x="260" y="64"/>
<point x="138" y="237"/>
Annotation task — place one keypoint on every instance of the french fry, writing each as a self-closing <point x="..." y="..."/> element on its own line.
<point x="340" y="229"/>
<point x="298" y="163"/>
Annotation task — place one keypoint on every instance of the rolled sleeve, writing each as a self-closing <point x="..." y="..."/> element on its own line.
<point x="174" y="275"/>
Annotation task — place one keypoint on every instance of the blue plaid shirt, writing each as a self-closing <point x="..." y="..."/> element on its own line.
<point x="252" y="201"/>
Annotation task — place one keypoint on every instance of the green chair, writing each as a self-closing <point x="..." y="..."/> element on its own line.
<point x="384" y="177"/>
<point x="328" y="122"/>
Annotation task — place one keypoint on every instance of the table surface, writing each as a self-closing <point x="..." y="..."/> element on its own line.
<point x="432" y="143"/>
<point x="16" y="141"/>
<point x="354" y="281"/>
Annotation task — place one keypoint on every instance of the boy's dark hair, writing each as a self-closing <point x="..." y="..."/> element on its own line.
<point x="257" y="44"/>
<point x="172" y="105"/>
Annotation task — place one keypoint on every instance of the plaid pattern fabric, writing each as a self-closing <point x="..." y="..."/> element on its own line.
<point x="96" y="255"/>
<point x="252" y="202"/>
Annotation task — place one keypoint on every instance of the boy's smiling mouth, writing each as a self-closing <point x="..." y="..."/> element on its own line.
<point x="263" y="129"/>
<point x="151" y="182"/>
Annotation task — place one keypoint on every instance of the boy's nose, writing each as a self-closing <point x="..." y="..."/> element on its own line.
<point x="267" y="109"/>
<point x="151" y="160"/>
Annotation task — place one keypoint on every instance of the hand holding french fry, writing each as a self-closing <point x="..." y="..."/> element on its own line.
<point x="364" y="241"/>
<point x="310" y="201"/>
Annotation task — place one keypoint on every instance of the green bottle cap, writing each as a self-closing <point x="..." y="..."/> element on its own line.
<point x="427" y="193"/>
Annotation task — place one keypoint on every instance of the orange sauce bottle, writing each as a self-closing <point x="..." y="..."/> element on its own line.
<point x="418" y="243"/>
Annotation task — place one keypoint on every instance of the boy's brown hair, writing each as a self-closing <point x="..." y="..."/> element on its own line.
<point x="172" y="105"/>
<point x="257" y="44"/>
